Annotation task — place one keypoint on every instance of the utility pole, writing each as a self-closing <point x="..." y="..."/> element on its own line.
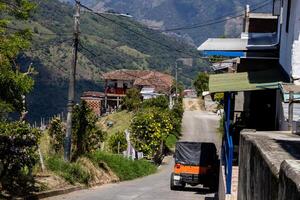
<point x="71" y="94"/>
<point x="176" y="78"/>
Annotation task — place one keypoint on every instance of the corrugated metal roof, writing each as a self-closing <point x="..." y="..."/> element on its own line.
<point x="224" y="44"/>
<point x="246" y="81"/>
<point x="262" y="16"/>
<point x="254" y="41"/>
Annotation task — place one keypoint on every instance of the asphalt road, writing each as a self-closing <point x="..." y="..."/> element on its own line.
<point x="197" y="126"/>
<point x="200" y="126"/>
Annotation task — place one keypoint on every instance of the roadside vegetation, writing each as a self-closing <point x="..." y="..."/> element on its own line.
<point x="124" y="168"/>
<point x="27" y="153"/>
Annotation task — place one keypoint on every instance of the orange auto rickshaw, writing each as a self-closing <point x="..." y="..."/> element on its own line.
<point x="195" y="163"/>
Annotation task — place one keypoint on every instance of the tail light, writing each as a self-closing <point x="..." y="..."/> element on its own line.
<point x="177" y="166"/>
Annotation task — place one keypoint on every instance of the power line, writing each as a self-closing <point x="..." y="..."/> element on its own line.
<point x="133" y="31"/>
<point x="95" y="55"/>
<point x="217" y="20"/>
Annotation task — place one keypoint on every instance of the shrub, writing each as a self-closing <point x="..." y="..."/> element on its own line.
<point x="201" y="83"/>
<point x="149" y="129"/>
<point x="87" y="136"/>
<point x="176" y="118"/>
<point x="18" y="155"/>
<point x="115" y="140"/>
<point x="132" y="100"/>
<point x="124" y="168"/>
<point x="161" y="102"/>
<point x="57" y="133"/>
<point x="171" y="141"/>
<point x="71" y="172"/>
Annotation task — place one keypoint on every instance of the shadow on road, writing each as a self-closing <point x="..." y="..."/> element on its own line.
<point x="197" y="190"/>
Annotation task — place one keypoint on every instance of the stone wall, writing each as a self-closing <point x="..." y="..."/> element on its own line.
<point x="265" y="166"/>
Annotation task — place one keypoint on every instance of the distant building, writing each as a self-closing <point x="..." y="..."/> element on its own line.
<point x="150" y="83"/>
<point x="93" y="100"/>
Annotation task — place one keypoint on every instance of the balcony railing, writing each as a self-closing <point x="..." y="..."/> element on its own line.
<point x="115" y="91"/>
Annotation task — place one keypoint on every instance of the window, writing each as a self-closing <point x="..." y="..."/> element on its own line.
<point x="288" y="13"/>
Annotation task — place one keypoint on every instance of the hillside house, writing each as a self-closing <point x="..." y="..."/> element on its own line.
<point x="150" y="83"/>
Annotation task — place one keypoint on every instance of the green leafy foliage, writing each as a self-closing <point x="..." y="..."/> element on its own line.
<point x="171" y="141"/>
<point x="219" y="98"/>
<point x="176" y="118"/>
<point x="201" y="83"/>
<point x="132" y="100"/>
<point x="149" y="129"/>
<point x="87" y="136"/>
<point x="117" y="142"/>
<point x="124" y="168"/>
<point x="161" y="102"/>
<point x="13" y="83"/>
<point x="18" y="155"/>
<point x="71" y="172"/>
<point x="57" y="132"/>
<point x="114" y="47"/>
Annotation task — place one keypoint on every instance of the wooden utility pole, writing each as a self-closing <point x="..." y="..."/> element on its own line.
<point x="176" y="77"/>
<point x="71" y="94"/>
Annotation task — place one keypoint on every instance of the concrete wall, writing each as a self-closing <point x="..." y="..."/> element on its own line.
<point x="263" y="172"/>
<point x="289" y="180"/>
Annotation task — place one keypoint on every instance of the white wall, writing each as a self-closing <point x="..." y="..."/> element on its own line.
<point x="289" y="44"/>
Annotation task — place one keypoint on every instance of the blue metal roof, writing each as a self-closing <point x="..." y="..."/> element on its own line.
<point x="224" y="53"/>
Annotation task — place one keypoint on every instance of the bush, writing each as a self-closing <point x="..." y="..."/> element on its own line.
<point x="18" y="155"/>
<point x="171" y="141"/>
<point x="132" y="100"/>
<point x="113" y="141"/>
<point x="87" y="136"/>
<point x="57" y="134"/>
<point x="176" y="118"/>
<point x="149" y="129"/>
<point x="124" y="168"/>
<point x="161" y="102"/>
<point x="201" y="83"/>
<point x="71" y="172"/>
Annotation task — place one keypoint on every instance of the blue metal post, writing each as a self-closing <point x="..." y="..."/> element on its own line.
<point x="228" y="144"/>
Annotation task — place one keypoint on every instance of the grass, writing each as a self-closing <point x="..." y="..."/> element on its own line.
<point x="71" y="172"/>
<point x="120" y="119"/>
<point x="124" y="168"/>
<point x="171" y="141"/>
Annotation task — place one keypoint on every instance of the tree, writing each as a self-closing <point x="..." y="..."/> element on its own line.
<point x="18" y="141"/>
<point x="201" y="83"/>
<point x="149" y="129"/>
<point x="132" y="100"/>
<point x="57" y="134"/>
<point x="87" y="136"/>
<point x="161" y="102"/>
<point x="18" y="155"/>
<point x="14" y="84"/>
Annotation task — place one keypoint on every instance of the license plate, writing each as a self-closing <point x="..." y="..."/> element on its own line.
<point x="176" y="178"/>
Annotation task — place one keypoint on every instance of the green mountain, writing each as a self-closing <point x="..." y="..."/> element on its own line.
<point x="169" y="14"/>
<point x="105" y="44"/>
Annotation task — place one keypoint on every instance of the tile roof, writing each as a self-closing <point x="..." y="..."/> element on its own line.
<point x="160" y="81"/>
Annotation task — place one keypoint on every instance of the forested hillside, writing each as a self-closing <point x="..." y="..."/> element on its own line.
<point x="104" y="46"/>
<point x="169" y="14"/>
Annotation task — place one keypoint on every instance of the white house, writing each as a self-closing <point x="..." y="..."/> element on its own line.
<point x="290" y="39"/>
